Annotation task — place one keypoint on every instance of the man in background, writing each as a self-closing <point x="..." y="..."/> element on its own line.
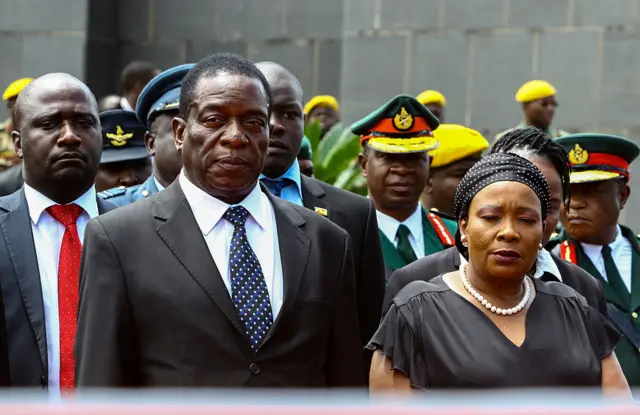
<point x="323" y="109"/>
<point x="458" y="150"/>
<point x="157" y="106"/>
<point x="434" y="101"/>
<point x="135" y="76"/>
<point x="539" y="104"/>
<point x="124" y="160"/>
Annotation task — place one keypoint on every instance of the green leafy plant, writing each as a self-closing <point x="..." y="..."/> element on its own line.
<point x="335" y="157"/>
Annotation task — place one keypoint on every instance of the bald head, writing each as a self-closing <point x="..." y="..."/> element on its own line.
<point x="49" y="85"/>
<point x="279" y="76"/>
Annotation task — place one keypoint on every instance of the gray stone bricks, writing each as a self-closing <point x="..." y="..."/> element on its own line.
<point x="314" y="19"/>
<point x="605" y="12"/>
<point x="359" y="14"/>
<point x="409" y="14"/>
<point x="296" y="57"/>
<point x="538" y="13"/>
<point x="472" y="14"/>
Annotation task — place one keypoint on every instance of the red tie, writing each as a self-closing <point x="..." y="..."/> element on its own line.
<point x="68" y="276"/>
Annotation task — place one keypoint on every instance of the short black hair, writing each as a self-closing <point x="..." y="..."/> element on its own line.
<point x="137" y="72"/>
<point x="535" y="142"/>
<point x="213" y="65"/>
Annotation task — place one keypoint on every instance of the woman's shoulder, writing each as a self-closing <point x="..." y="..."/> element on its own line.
<point x="417" y="290"/>
<point x="559" y="291"/>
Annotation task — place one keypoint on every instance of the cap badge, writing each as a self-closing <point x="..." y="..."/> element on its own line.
<point x="119" y="138"/>
<point x="578" y="155"/>
<point x="403" y="121"/>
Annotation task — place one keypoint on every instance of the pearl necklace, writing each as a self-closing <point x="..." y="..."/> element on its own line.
<point x="503" y="311"/>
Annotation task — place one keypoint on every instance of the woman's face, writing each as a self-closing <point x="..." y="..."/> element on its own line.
<point x="503" y="230"/>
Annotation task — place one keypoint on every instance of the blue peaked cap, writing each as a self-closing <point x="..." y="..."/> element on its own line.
<point x="162" y="93"/>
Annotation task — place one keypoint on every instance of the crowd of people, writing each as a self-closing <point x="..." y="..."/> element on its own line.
<point x="175" y="237"/>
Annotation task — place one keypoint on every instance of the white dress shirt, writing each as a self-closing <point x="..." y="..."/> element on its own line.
<point x="544" y="263"/>
<point x="389" y="227"/>
<point x="621" y="252"/>
<point x="262" y="234"/>
<point x="47" y="238"/>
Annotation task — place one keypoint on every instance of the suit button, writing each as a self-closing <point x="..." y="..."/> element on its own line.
<point x="254" y="368"/>
<point x="43" y="382"/>
<point x="634" y="315"/>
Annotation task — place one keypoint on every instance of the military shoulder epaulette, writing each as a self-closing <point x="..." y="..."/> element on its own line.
<point x="442" y="214"/>
<point x="116" y="191"/>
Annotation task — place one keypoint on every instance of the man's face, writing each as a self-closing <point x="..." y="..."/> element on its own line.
<point x="326" y="116"/>
<point x="225" y="137"/>
<point x="444" y="181"/>
<point x="160" y="145"/>
<point x="540" y="113"/>
<point x="437" y="110"/>
<point x="287" y="121"/>
<point x="123" y="173"/>
<point x="395" y="181"/>
<point x="594" y="210"/>
<point x="59" y="136"/>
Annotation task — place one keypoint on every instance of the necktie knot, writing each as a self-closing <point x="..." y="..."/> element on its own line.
<point x="65" y="214"/>
<point x="237" y="215"/>
<point x="275" y="186"/>
<point x="403" y="232"/>
<point x="606" y="251"/>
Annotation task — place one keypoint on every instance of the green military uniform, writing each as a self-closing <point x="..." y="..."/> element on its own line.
<point x="596" y="157"/>
<point x="438" y="232"/>
<point x="401" y="126"/>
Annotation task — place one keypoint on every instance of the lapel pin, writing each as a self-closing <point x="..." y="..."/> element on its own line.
<point x="321" y="211"/>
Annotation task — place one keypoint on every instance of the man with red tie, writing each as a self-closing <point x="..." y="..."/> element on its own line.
<point x="57" y="136"/>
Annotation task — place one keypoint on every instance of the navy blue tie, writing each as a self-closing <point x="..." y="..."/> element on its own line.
<point x="248" y="287"/>
<point x="275" y="186"/>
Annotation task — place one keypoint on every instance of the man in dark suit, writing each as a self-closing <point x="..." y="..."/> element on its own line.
<point x="227" y="285"/>
<point x="42" y="225"/>
<point x="351" y="212"/>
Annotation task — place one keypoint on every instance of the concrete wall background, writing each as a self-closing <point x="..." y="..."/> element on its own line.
<point x="477" y="52"/>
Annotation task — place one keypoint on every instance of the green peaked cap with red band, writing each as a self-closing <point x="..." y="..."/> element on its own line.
<point x="402" y="125"/>
<point x="598" y="157"/>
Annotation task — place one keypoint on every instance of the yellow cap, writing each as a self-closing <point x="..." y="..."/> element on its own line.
<point x="15" y="87"/>
<point x="533" y="90"/>
<point x="432" y="97"/>
<point x="456" y="143"/>
<point x="326" y="100"/>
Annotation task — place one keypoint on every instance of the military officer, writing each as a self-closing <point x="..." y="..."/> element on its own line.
<point x="539" y="104"/>
<point x="157" y="105"/>
<point x="323" y="109"/>
<point x="124" y="160"/>
<point x="435" y="101"/>
<point x="593" y="239"/>
<point x="8" y="156"/>
<point x="396" y="139"/>
<point x="458" y="150"/>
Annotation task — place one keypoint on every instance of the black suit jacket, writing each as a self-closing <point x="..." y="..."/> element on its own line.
<point x="356" y="215"/>
<point x="154" y="310"/>
<point x="449" y="260"/>
<point x="22" y="293"/>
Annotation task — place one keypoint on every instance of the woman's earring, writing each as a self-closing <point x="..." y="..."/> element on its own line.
<point x="464" y="241"/>
<point x="540" y="246"/>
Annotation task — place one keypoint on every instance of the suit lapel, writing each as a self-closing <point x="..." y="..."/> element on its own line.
<point x="585" y="263"/>
<point x="295" y="245"/>
<point x="313" y="197"/>
<point x="635" y="267"/>
<point x="178" y="228"/>
<point x="16" y="229"/>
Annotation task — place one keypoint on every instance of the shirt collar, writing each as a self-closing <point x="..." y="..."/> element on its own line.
<point x="389" y="225"/>
<point x="595" y="250"/>
<point x="38" y="202"/>
<point x="292" y="173"/>
<point x="208" y="210"/>
<point x="544" y="263"/>
<point x="157" y="183"/>
<point x="125" y="104"/>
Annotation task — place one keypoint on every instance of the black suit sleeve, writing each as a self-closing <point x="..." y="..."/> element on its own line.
<point x="397" y="282"/>
<point x="105" y="347"/>
<point x="4" y="348"/>
<point x="344" y="357"/>
<point x="372" y="280"/>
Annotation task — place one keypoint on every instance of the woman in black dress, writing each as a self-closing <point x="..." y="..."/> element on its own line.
<point x="489" y="325"/>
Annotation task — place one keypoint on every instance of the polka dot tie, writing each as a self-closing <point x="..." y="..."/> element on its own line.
<point x="249" y="289"/>
<point x="68" y="276"/>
